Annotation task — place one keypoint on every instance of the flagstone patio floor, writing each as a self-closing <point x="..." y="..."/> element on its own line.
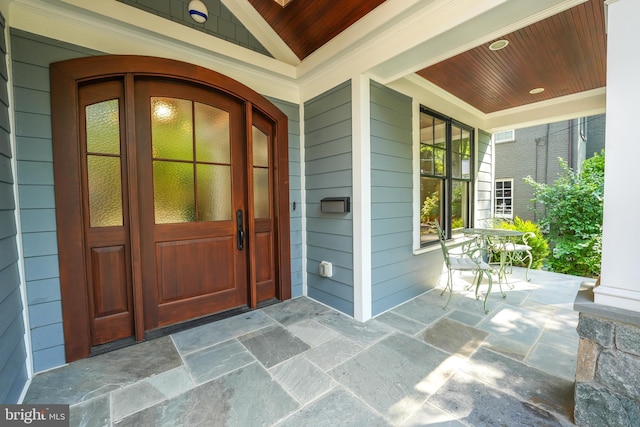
<point x="300" y="363"/>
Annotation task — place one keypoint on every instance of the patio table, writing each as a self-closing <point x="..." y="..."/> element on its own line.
<point x="497" y="239"/>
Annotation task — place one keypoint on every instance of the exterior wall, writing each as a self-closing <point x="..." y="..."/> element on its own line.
<point x="535" y="152"/>
<point x="295" y="193"/>
<point x="221" y="23"/>
<point x="13" y="356"/>
<point x="31" y="56"/>
<point x="484" y="178"/>
<point x="397" y="275"/>
<point x="328" y="154"/>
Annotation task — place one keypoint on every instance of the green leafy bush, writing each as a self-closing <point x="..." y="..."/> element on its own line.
<point x="539" y="245"/>
<point x="573" y="217"/>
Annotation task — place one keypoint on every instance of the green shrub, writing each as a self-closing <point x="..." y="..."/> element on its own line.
<point x="539" y="245"/>
<point x="573" y="216"/>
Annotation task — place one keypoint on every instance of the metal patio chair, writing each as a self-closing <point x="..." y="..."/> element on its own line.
<point x="468" y="256"/>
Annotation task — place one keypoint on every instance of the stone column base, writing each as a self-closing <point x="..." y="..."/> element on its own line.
<point x="607" y="391"/>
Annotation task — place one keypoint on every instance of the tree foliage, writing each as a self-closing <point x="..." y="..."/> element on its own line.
<point x="573" y="217"/>
<point x="538" y="243"/>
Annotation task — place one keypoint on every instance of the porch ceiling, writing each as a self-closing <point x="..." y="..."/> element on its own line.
<point x="565" y="53"/>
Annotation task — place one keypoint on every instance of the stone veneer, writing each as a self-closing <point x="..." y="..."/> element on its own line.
<point x="607" y="391"/>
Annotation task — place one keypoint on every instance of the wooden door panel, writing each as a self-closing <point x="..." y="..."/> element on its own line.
<point x="264" y="265"/>
<point x="205" y="266"/>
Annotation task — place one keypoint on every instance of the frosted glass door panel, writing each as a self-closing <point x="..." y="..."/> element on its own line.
<point x="105" y="191"/>
<point x="261" y="193"/>
<point x="212" y="134"/>
<point x="214" y="193"/>
<point x="172" y="128"/>
<point x="173" y="192"/>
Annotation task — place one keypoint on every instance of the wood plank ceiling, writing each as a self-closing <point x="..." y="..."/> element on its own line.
<point x="564" y="54"/>
<point x="306" y="25"/>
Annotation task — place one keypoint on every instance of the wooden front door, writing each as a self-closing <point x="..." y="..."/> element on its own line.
<point x="193" y="184"/>
<point x="171" y="200"/>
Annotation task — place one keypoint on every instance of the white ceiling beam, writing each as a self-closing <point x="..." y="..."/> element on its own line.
<point x="261" y="30"/>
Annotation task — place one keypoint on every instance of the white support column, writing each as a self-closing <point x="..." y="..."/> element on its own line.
<point x="620" y="279"/>
<point x="361" y="206"/>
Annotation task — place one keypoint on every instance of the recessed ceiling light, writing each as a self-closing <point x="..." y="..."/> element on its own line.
<point x="498" y="44"/>
<point x="536" y="90"/>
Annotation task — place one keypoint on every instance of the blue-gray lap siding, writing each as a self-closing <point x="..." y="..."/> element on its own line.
<point x="221" y="22"/>
<point x="397" y="275"/>
<point x="13" y="355"/>
<point x="328" y="173"/>
<point x="31" y="56"/>
<point x="484" y="178"/>
<point x="295" y="193"/>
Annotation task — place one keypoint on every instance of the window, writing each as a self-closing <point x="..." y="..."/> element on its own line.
<point x="504" y="198"/>
<point x="445" y="175"/>
<point x="504" y="136"/>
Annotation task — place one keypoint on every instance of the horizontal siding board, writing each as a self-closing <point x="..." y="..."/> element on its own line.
<point x="34" y="149"/>
<point x="31" y="76"/>
<point x="35" y="173"/>
<point x="391" y="179"/>
<point x="393" y="114"/>
<point x="41" y="291"/>
<point x="48" y="358"/>
<point x="390" y="256"/>
<point x="43" y="267"/>
<point x="337" y="115"/>
<point x="10" y="280"/>
<point x="332" y="98"/>
<point x="47" y="336"/>
<point x="38" y="244"/>
<point x="389" y="195"/>
<point x="331" y="300"/>
<point x="14" y="376"/>
<point x="387" y="163"/>
<point x="381" y="227"/>
<point x="32" y="101"/>
<point x="390" y="148"/>
<point x="11" y="310"/>
<point x="337" y="227"/>
<point x="6" y="175"/>
<point x="336" y="180"/>
<point x="391" y="133"/>
<point x="7" y="200"/>
<point x="42" y="51"/>
<point x="34" y="220"/>
<point x="5" y="145"/>
<point x="7" y="224"/>
<point x="341" y="279"/>
<point x="335" y="163"/>
<point x="340" y="259"/>
<point x="8" y="252"/>
<point x="33" y="125"/>
<point x="330" y="241"/>
<point x="44" y="314"/>
<point x="395" y="270"/>
<point x="328" y="149"/>
<point x="335" y="288"/>
<point x="36" y="197"/>
<point x="391" y="210"/>
<point x="329" y="133"/>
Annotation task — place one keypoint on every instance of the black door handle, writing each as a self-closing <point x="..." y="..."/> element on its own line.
<point x="240" y="227"/>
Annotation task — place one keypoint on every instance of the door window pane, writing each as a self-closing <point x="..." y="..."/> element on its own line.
<point x="171" y="128"/>
<point x="214" y="192"/>
<point x="103" y="127"/>
<point x="212" y="134"/>
<point x="173" y="191"/>
<point x="105" y="191"/>
<point x="261" y="174"/>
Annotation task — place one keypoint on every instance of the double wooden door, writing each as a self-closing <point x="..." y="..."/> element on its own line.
<point x="177" y="204"/>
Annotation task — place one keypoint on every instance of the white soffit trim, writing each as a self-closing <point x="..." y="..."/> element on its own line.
<point x="115" y="28"/>
<point x="261" y="30"/>
<point x="583" y="104"/>
<point x="459" y="27"/>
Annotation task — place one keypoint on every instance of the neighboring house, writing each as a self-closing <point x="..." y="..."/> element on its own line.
<point x="534" y="151"/>
<point x="351" y="118"/>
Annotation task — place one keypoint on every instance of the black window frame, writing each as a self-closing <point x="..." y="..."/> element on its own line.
<point x="449" y="179"/>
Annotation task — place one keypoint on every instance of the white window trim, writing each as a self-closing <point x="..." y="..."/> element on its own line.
<point x="497" y="215"/>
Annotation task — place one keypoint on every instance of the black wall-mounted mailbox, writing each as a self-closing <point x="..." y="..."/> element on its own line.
<point x="335" y="204"/>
